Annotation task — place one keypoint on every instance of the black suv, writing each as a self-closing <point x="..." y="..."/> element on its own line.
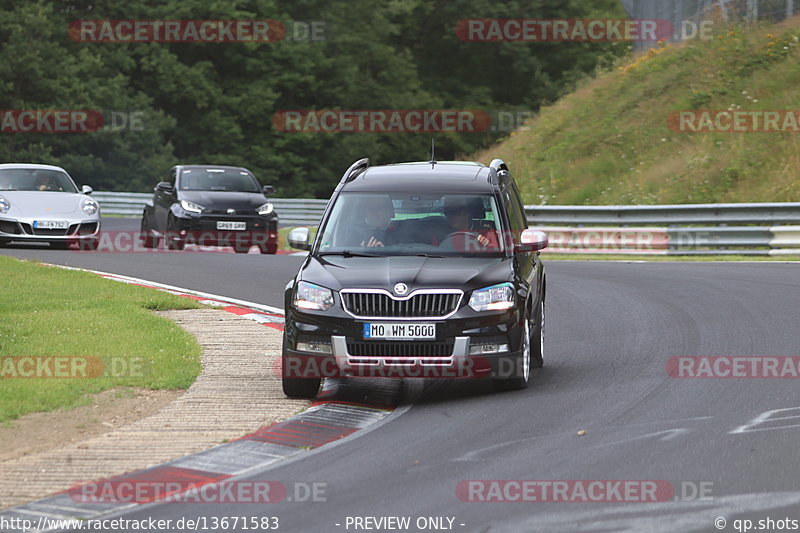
<point x="417" y="270"/>
<point x="210" y="205"/>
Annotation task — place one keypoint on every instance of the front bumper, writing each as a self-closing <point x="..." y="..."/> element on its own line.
<point x="202" y="230"/>
<point x="448" y="356"/>
<point x="22" y="230"/>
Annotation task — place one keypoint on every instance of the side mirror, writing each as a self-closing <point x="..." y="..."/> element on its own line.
<point x="532" y="240"/>
<point x="164" y="186"/>
<point x="298" y="239"/>
<point x="268" y="189"/>
<point x="85" y="189"/>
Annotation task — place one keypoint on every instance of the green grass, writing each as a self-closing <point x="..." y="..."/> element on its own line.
<point x="47" y="311"/>
<point x="609" y="141"/>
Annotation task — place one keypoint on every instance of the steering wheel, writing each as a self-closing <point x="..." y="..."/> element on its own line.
<point x="466" y="234"/>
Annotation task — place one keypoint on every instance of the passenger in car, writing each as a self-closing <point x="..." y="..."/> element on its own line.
<point x="463" y="227"/>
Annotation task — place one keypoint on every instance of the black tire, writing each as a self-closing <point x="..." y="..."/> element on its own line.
<point x="301" y="387"/>
<point x="521" y="368"/>
<point x="174" y="244"/>
<point x="147" y="238"/>
<point x="3" y="242"/>
<point x="537" y="338"/>
<point x="88" y="245"/>
<point x="172" y="239"/>
<point x="268" y="249"/>
<point x="298" y="387"/>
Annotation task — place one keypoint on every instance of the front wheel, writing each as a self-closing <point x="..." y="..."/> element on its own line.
<point x="172" y="238"/>
<point x="148" y="239"/>
<point x="268" y="248"/>
<point x="521" y="367"/>
<point x="537" y="339"/>
<point x="298" y="387"/>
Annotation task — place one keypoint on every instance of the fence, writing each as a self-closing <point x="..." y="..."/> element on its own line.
<point x="685" y="229"/>
<point x="686" y="15"/>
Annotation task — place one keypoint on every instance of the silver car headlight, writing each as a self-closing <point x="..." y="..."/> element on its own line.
<point x="310" y="296"/>
<point x="89" y="206"/>
<point x="265" y="209"/>
<point x="5" y="205"/>
<point x="191" y="206"/>
<point x="494" y="298"/>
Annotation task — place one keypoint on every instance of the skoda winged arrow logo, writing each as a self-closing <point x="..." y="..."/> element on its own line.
<point x="231" y="211"/>
<point x="400" y="289"/>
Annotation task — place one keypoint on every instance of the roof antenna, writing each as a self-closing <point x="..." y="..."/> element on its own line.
<point x="433" y="152"/>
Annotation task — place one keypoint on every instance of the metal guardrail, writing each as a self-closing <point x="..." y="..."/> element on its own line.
<point x="291" y="211"/>
<point x="679" y="214"/>
<point x="683" y="229"/>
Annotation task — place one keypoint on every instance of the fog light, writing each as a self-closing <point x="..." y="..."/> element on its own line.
<point x="483" y="349"/>
<point x="315" y="347"/>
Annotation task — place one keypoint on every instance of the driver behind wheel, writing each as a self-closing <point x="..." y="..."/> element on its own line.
<point x="462" y="229"/>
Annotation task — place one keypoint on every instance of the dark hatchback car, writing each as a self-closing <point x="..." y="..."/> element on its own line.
<point x="211" y="205"/>
<point x="417" y="270"/>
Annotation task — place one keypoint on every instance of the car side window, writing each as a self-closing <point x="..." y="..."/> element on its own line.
<point x="171" y="177"/>
<point x="517" y="199"/>
<point x="514" y="217"/>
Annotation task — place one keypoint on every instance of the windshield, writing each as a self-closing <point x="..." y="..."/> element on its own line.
<point x="35" y="179"/>
<point x="413" y="224"/>
<point x="218" y="179"/>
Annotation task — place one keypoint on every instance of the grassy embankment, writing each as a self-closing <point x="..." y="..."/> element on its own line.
<point x="102" y="326"/>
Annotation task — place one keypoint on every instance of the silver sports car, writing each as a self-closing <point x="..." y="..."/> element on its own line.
<point x="40" y="203"/>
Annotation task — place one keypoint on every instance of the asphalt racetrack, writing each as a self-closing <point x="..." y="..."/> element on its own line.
<point x="603" y="408"/>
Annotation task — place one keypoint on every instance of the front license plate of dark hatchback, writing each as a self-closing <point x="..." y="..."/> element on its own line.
<point x="235" y="226"/>
<point x="375" y="330"/>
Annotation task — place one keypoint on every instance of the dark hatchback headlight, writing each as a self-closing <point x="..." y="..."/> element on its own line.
<point x="192" y="207"/>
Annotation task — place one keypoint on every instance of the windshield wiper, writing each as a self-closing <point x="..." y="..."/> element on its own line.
<point x="348" y="253"/>
<point x="438" y="256"/>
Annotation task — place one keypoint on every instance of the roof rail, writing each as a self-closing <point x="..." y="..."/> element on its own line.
<point x="498" y="165"/>
<point x="351" y="173"/>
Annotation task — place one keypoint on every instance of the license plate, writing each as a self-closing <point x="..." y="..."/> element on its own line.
<point x="235" y="226"/>
<point x="50" y="224"/>
<point x="399" y="331"/>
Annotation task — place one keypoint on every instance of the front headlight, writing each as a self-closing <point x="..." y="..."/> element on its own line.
<point x="191" y="206"/>
<point x="89" y="206"/>
<point x="5" y="205"/>
<point x="310" y="296"/>
<point x="494" y="298"/>
<point x="265" y="209"/>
